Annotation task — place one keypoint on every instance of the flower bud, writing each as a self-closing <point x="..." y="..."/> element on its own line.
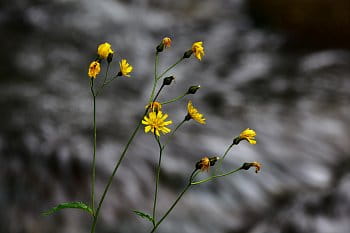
<point x="168" y="80"/>
<point x="110" y="57"/>
<point x="188" y="54"/>
<point x="193" y="89"/>
<point x="257" y="166"/>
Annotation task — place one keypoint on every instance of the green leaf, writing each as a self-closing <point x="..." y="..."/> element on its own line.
<point x="143" y="215"/>
<point x="74" y="205"/>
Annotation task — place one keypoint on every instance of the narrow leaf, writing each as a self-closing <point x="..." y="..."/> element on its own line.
<point x="74" y="205"/>
<point x="143" y="215"/>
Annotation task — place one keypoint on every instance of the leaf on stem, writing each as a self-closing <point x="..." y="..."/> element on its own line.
<point x="143" y="215"/>
<point x="74" y="205"/>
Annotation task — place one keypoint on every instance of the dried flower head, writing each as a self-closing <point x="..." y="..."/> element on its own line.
<point x="257" y="166"/>
<point x="206" y="162"/>
<point x="166" y="42"/>
<point x="203" y="164"/>
<point x="154" y="106"/>
<point x="94" y="69"/>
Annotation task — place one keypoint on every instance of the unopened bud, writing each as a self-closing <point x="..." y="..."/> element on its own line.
<point x="193" y="89"/>
<point x="160" y="47"/>
<point x="187" y="54"/>
<point x="168" y="80"/>
<point x="110" y="57"/>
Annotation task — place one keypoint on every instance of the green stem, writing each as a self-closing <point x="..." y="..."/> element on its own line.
<point x="176" y="201"/>
<point x="169" y="68"/>
<point x="216" y="176"/>
<point x="172" y="134"/>
<point x="175" y="99"/>
<point x="157" y="180"/>
<point x="155" y="77"/>
<point x="113" y="174"/>
<point x="221" y="160"/>
<point x="104" y="81"/>
<point x="93" y="172"/>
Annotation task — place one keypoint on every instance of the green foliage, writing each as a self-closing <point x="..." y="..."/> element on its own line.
<point x="72" y="205"/>
<point x="144" y="215"/>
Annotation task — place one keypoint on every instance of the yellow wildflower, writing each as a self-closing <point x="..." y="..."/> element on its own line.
<point x="125" y="68"/>
<point x="154" y="106"/>
<point x="155" y="122"/>
<point x="94" y="69"/>
<point x="166" y="42"/>
<point x="249" y="135"/>
<point x="104" y="50"/>
<point x="194" y="114"/>
<point x="198" y="50"/>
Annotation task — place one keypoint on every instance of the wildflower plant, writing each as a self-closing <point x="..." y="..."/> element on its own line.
<point x="156" y="124"/>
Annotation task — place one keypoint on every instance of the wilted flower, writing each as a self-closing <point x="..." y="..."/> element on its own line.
<point x="155" y="122"/>
<point x="206" y="162"/>
<point x="166" y="42"/>
<point x="104" y="50"/>
<point x="125" y="68"/>
<point x="198" y="50"/>
<point x="192" y="113"/>
<point x="94" y="69"/>
<point x="154" y="106"/>
<point x="257" y="166"/>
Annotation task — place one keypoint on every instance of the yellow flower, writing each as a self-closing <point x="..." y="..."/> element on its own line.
<point x="166" y="42"/>
<point x="125" y="68"/>
<point x="249" y="135"/>
<point x="155" y="122"/>
<point x="203" y="164"/>
<point x="198" y="50"/>
<point x="154" y="106"/>
<point x="94" y="69"/>
<point x="104" y="50"/>
<point x="194" y="114"/>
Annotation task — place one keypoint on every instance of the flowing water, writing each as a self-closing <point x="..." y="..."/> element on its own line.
<point x="297" y="101"/>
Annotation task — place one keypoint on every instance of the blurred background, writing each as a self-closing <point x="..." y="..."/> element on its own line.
<point x="279" y="67"/>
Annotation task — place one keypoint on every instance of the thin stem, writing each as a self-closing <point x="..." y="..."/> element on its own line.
<point x="155" y="77"/>
<point x="172" y="134"/>
<point x="160" y="89"/>
<point x="93" y="172"/>
<point x="157" y="180"/>
<point x="104" y="81"/>
<point x="221" y="160"/>
<point x="169" y="68"/>
<point x="176" y="201"/>
<point x="217" y="176"/>
<point x="175" y="99"/>
<point x="113" y="174"/>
